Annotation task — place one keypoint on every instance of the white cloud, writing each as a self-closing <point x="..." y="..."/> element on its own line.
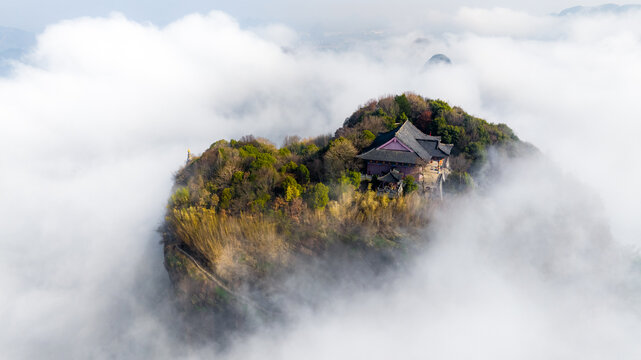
<point x="506" y="22"/>
<point x="102" y="112"/>
<point x="506" y="275"/>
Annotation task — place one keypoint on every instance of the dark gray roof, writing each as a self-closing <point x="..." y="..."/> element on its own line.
<point x="435" y="148"/>
<point x="381" y="139"/>
<point x="391" y="177"/>
<point x="411" y="137"/>
<point x="404" y="157"/>
<point x="446" y="148"/>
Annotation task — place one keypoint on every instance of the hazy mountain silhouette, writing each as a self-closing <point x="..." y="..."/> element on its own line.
<point x="600" y="9"/>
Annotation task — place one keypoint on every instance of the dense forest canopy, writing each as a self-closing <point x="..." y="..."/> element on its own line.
<point x="252" y="174"/>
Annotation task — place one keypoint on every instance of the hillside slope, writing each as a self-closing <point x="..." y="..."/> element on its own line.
<point x="246" y="213"/>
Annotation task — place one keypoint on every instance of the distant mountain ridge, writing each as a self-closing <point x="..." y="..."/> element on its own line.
<point x="599" y="9"/>
<point x="14" y="43"/>
<point x="438" y="59"/>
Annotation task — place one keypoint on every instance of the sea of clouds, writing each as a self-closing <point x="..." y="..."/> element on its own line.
<point x="542" y="264"/>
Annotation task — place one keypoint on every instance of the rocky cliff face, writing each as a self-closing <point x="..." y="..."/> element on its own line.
<point x="210" y="308"/>
<point x="214" y="310"/>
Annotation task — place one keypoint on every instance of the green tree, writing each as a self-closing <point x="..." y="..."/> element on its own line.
<point x="409" y="184"/>
<point x="388" y="121"/>
<point x="319" y="196"/>
<point x="290" y="167"/>
<point x="404" y="106"/>
<point x="351" y="178"/>
<point x="180" y="198"/>
<point x="237" y="178"/>
<point x="440" y="107"/>
<point x="260" y="203"/>
<point x="284" y="152"/>
<point x="369" y="136"/>
<point x="310" y="149"/>
<point x="339" y="157"/>
<point x="303" y="174"/>
<point x="263" y="160"/>
<point x="450" y="134"/>
<point x="475" y="150"/>
<point x="291" y="188"/>
<point x="247" y="150"/>
<point x="225" y="198"/>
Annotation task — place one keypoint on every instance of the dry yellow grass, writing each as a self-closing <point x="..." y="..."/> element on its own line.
<point x="234" y="246"/>
<point x="251" y="245"/>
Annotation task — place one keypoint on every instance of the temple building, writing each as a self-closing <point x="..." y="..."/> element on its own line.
<point x="409" y="151"/>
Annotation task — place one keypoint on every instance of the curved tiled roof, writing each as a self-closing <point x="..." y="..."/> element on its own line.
<point x="405" y="157"/>
<point x="424" y="147"/>
<point x="391" y="177"/>
<point x="446" y="148"/>
<point x="435" y="148"/>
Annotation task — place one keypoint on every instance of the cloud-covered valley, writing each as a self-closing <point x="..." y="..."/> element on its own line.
<point x="100" y="113"/>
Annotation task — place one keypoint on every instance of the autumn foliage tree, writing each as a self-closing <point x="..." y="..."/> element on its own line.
<point x="340" y="156"/>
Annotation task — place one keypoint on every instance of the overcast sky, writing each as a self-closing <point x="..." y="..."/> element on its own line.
<point x="315" y="15"/>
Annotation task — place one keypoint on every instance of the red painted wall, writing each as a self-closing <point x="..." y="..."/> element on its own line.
<point x="382" y="169"/>
<point x="377" y="169"/>
<point x="394" y="145"/>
